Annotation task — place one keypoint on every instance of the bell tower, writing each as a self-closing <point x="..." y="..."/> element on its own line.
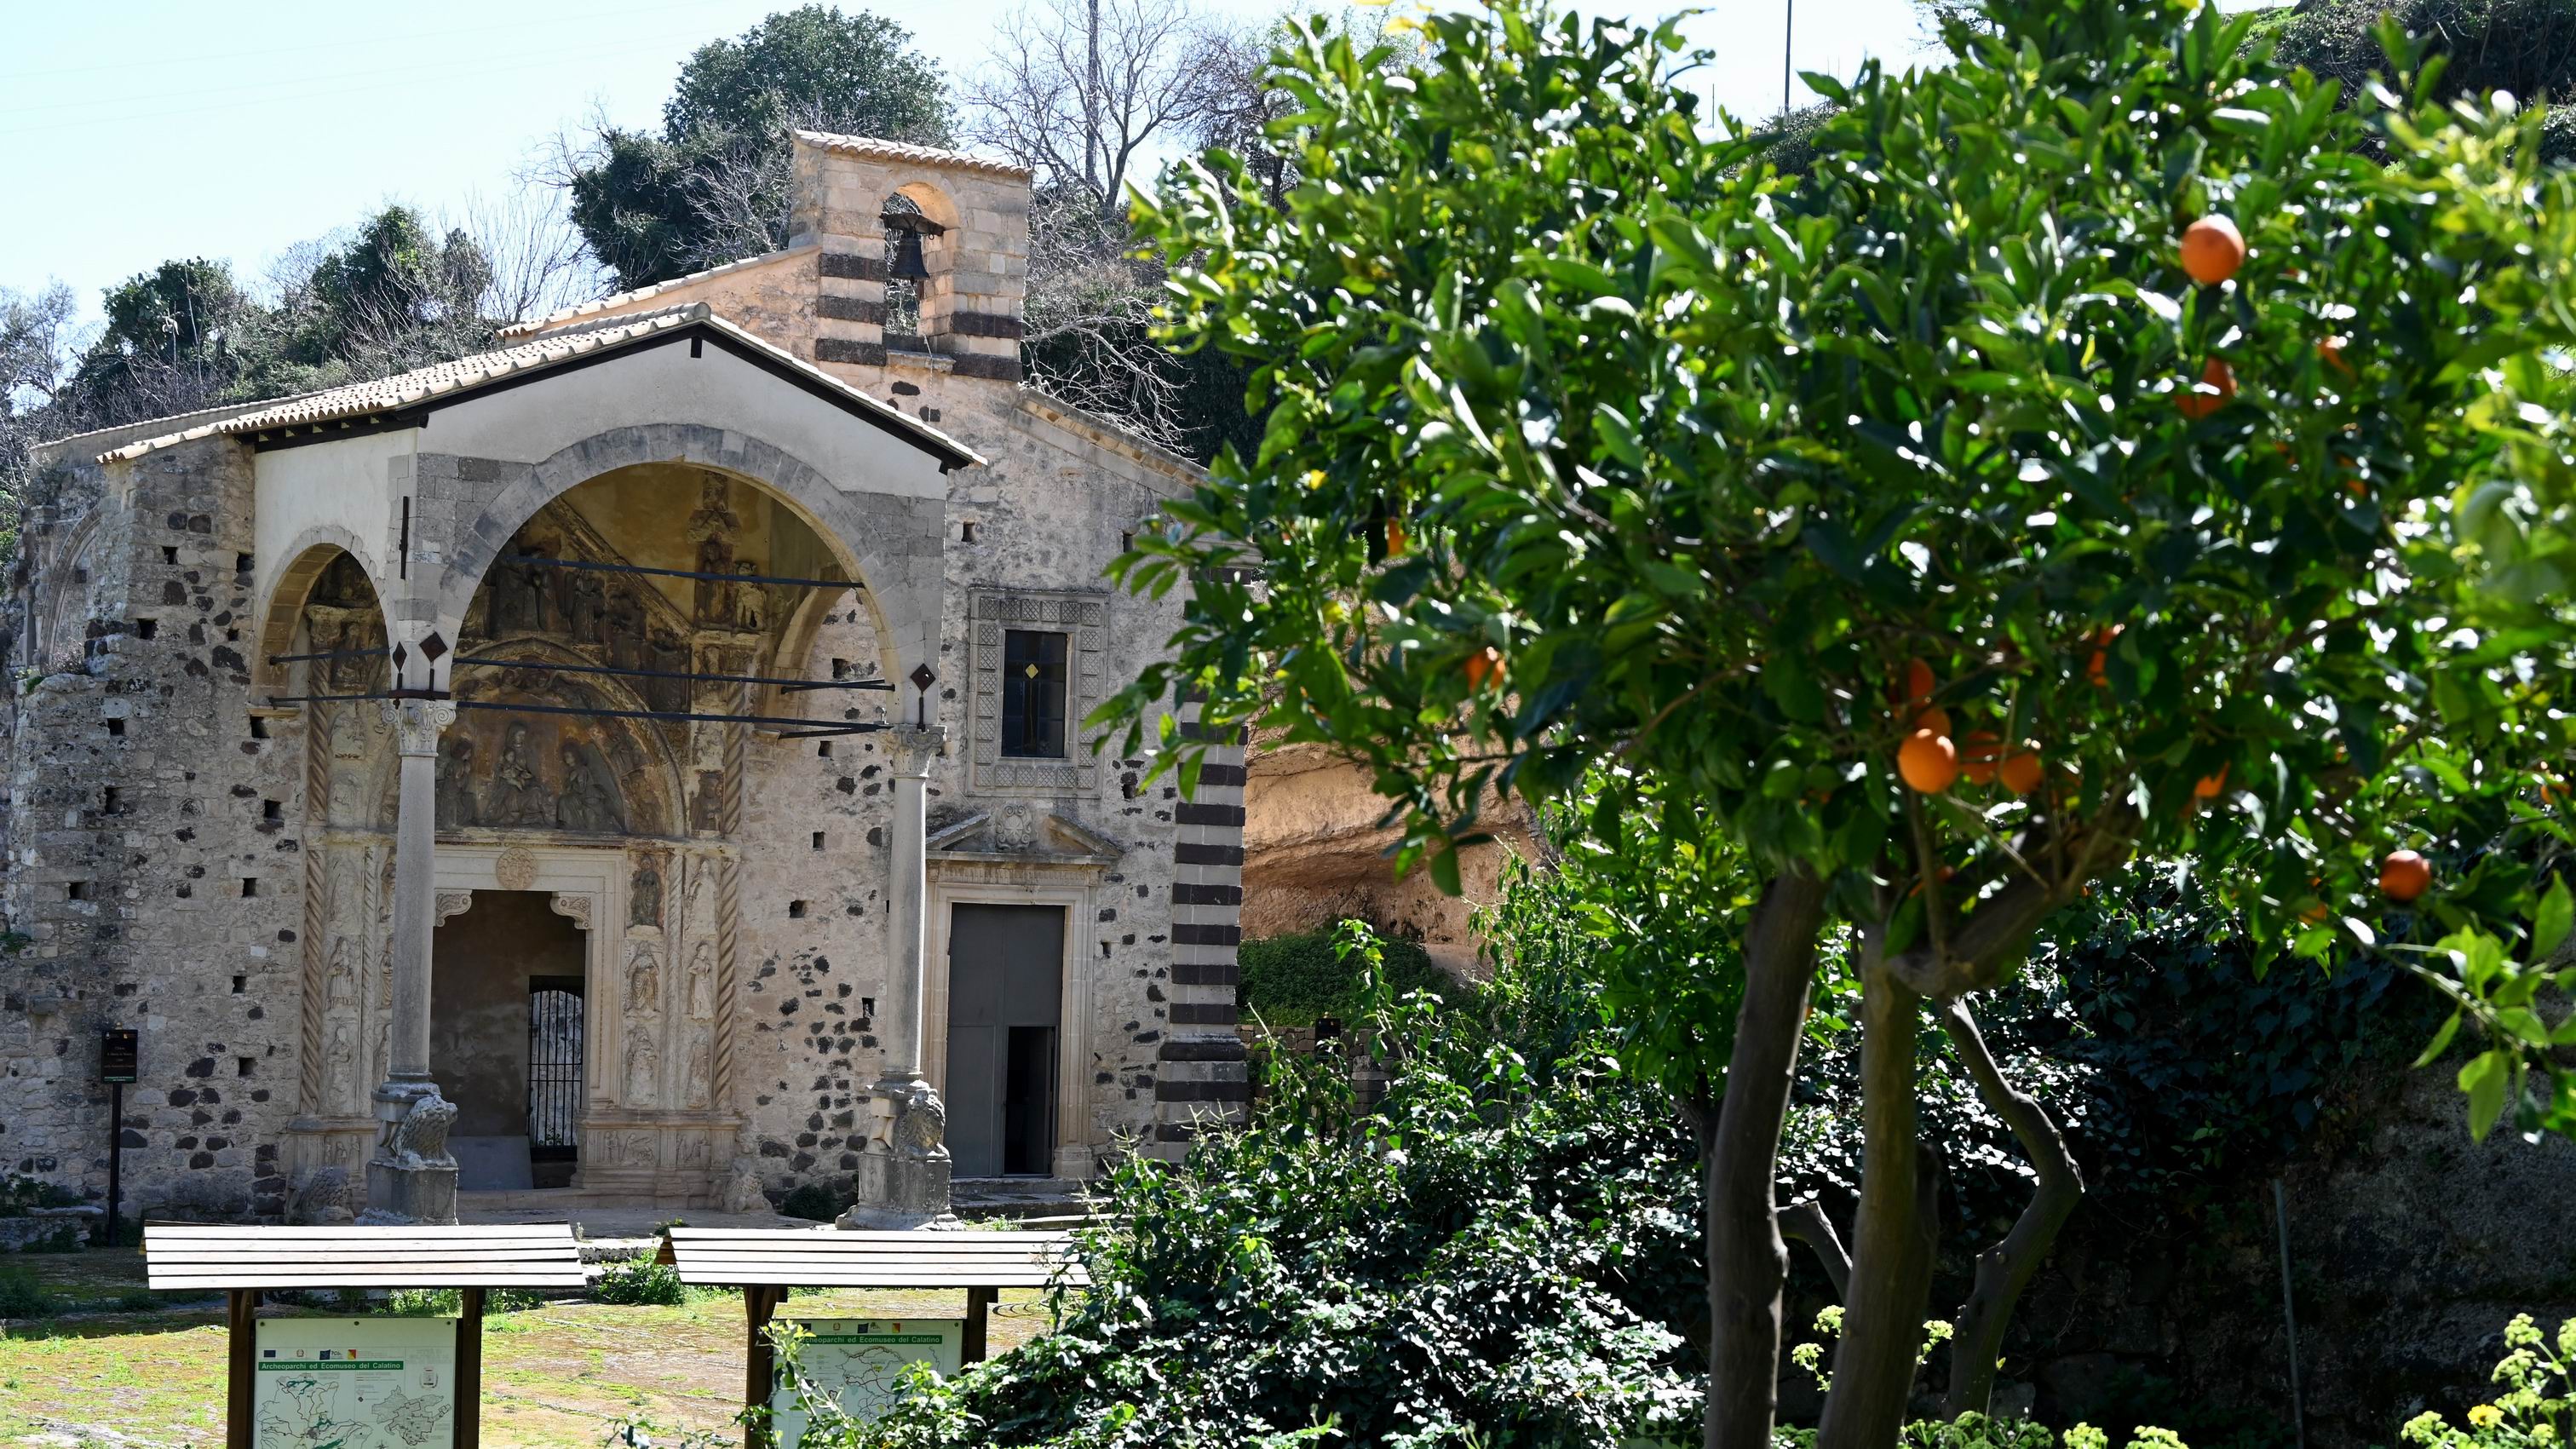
<point x="924" y="264"/>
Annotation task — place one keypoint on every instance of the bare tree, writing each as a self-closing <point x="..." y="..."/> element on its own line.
<point x="536" y="257"/>
<point x="1086" y="92"/>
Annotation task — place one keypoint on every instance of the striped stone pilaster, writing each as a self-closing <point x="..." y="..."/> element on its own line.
<point x="849" y="308"/>
<point x="1200" y="1078"/>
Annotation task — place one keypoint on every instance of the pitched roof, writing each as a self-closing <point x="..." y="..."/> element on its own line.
<point x="431" y="387"/>
<point x="555" y="320"/>
<point x="872" y="149"/>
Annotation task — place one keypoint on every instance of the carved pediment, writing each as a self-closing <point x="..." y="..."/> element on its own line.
<point x="1023" y="834"/>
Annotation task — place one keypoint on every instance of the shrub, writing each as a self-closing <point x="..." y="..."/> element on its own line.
<point x="813" y="1202"/>
<point x="21" y="1296"/>
<point x="2538" y="1406"/>
<point x="449" y="1302"/>
<point x="1493" y="1255"/>
<point x="640" y="1280"/>
<point x="1293" y="981"/>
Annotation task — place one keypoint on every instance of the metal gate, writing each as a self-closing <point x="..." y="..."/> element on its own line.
<point x="554" y="1066"/>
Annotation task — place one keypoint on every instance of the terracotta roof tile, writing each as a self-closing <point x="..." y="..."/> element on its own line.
<point x="555" y="320"/>
<point x="564" y="343"/>
<point x="875" y="150"/>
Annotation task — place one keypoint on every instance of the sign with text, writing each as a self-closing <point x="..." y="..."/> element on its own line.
<point x="120" y="1054"/>
<point x="860" y="1364"/>
<point x="354" y="1383"/>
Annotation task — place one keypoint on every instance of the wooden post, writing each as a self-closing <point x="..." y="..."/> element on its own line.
<point x="469" y="1368"/>
<point x="760" y="1368"/>
<point x="979" y="1307"/>
<point x="241" y="1323"/>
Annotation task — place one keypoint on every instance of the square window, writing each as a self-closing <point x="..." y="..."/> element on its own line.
<point x="116" y="729"/>
<point x="146" y="628"/>
<point x="1033" y="704"/>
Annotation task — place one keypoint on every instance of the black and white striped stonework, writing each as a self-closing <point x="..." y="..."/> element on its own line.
<point x="1200" y="1079"/>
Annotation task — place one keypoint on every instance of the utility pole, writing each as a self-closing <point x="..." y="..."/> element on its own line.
<point x="1788" y="33"/>
<point x="1091" y="97"/>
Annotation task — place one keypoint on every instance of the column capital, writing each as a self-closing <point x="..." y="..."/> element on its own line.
<point x="418" y="722"/>
<point x="912" y="748"/>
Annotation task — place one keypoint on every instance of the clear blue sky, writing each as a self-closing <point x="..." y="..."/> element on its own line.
<point x="136" y="130"/>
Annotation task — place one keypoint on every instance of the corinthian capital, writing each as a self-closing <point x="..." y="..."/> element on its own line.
<point x="418" y="722"/>
<point x="912" y="749"/>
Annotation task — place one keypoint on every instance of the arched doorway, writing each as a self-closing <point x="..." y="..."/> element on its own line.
<point x="639" y="645"/>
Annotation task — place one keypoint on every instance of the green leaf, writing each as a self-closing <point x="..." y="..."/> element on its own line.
<point x="2484" y="1080"/>
<point x="2550" y="922"/>
<point x="2441" y="1043"/>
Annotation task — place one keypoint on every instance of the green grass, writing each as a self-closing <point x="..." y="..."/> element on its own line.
<point x="560" y="1374"/>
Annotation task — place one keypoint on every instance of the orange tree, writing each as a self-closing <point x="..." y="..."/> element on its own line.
<point x="1942" y="528"/>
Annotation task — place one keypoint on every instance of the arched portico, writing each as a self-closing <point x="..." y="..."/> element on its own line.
<point x="887" y="544"/>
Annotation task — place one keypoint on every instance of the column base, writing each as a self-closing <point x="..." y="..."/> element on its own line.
<point x="411" y="1178"/>
<point x="900" y="1193"/>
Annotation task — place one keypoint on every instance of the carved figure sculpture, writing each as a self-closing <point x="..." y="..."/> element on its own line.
<point x="749" y="599"/>
<point x="712" y="528"/>
<point x="587" y="802"/>
<point x="320" y="1198"/>
<point x="585" y="608"/>
<point x="341" y="983"/>
<point x="643" y="983"/>
<point x="625" y="642"/>
<point x="457" y="806"/>
<point x="643" y="1070"/>
<point x="519" y="794"/>
<point x="644" y="896"/>
<point x="670" y="656"/>
<point x="701" y="1048"/>
<point x="702" y="980"/>
<point x="921" y="1123"/>
<point x="340" y="1063"/>
<point x="418" y="1138"/>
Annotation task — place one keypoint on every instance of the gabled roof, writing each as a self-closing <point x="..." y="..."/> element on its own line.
<point x="554" y="321"/>
<point x="390" y="400"/>
<point x="871" y="149"/>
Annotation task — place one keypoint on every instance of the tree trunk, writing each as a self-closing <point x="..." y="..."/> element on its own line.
<point x="1894" y="1238"/>
<point x="1746" y="1260"/>
<point x="1806" y="1222"/>
<point x="2005" y="1269"/>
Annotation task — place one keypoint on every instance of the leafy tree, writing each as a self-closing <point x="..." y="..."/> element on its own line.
<point x="713" y="185"/>
<point x="1587" y="442"/>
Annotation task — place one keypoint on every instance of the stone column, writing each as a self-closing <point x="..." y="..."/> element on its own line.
<point x="903" y="1177"/>
<point x="411" y="1178"/>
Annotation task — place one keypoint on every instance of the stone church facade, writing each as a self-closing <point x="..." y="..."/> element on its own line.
<point x="661" y="736"/>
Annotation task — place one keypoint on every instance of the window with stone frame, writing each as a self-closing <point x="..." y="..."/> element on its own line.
<point x="1033" y="685"/>
<point x="1026" y="726"/>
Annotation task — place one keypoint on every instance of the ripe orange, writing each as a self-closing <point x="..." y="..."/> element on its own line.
<point x="2404" y="875"/>
<point x="1928" y="762"/>
<point x="2212" y="249"/>
<point x="2021" y="771"/>
<point x="1395" y="538"/>
<point x="1916" y="685"/>
<point x="2331" y="350"/>
<point x="2219" y="379"/>
<point x="2208" y="786"/>
<point x="1980" y="754"/>
<point x="2315" y="914"/>
<point x="1482" y="665"/>
<point x="2097" y="668"/>
<point x="1936" y="719"/>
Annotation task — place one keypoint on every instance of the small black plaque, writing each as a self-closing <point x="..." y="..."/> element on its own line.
<point x="120" y="1055"/>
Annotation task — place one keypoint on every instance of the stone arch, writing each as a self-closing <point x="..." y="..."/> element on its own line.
<point x="876" y="538"/>
<point x="281" y="606"/>
<point x="58" y="607"/>
<point x="661" y="810"/>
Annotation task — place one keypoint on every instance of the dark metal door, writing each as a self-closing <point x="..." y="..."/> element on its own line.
<point x="1005" y="991"/>
<point x="554" y="1067"/>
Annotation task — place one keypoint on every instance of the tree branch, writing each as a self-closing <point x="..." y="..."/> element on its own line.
<point x="2005" y="1269"/>
<point x="1804" y="1221"/>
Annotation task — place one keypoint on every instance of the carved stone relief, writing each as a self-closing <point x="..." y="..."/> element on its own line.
<point x="453" y="903"/>
<point x="644" y="895"/>
<point x="515" y="869"/>
<point x="702" y="981"/>
<point x="643" y="986"/>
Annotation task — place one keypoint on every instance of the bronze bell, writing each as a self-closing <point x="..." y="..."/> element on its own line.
<point x="907" y="257"/>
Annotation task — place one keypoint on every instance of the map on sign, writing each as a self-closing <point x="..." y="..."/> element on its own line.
<point x="354" y="1383"/>
<point x="861" y="1364"/>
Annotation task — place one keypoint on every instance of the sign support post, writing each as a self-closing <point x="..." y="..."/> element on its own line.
<point x="119" y="1062"/>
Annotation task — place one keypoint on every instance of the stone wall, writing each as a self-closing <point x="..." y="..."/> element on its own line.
<point x="173" y="903"/>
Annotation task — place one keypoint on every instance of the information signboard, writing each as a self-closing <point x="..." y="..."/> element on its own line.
<point x="859" y="1362"/>
<point x="354" y="1383"/>
<point x="120" y="1054"/>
